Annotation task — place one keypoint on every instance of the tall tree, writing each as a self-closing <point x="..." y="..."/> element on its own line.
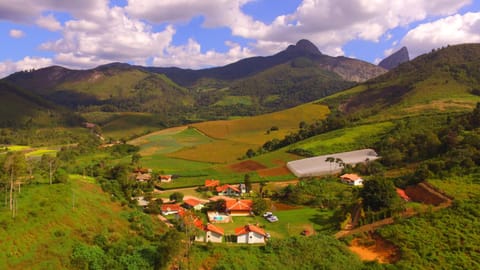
<point x="14" y="165"/>
<point x="49" y="164"/>
<point x="378" y="193"/>
<point x="247" y="182"/>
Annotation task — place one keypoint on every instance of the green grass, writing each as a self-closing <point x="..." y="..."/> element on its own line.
<point x="291" y="222"/>
<point x="346" y="139"/>
<point x="42" y="151"/>
<point x="51" y="219"/>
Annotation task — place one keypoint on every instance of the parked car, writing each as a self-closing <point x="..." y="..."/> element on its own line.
<point x="267" y="214"/>
<point x="272" y="218"/>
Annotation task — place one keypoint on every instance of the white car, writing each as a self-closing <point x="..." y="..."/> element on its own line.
<point x="267" y="214"/>
<point x="272" y="218"/>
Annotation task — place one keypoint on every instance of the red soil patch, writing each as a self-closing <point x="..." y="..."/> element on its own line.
<point x="247" y="166"/>
<point x="425" y="194"/>
<point x="282" y="206"/>
<point x="374" y="247"/>
<point x="274" y="171"/>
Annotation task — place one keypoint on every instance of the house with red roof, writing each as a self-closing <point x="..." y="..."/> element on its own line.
<point x="351" y="179"/>
<point x="228" y="190"/>
<point x="169" y="209"/>
<point x="211" y="183"/>
<point x="250" y="234"/>
<point x="239" y="207"/>
<point x="165" y="178"/>
<point x="210" y="233"/>
<point x="401" y="193"/>
<point x="192" y="203"/>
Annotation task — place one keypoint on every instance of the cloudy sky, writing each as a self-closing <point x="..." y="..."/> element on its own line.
<point x="205" y="33"/>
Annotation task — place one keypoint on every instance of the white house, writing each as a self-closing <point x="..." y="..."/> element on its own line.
<point x="169" y="209"/>
<point x="352" y="179"/>
<point x="228" y="190"/>
<point x="192" y="203"/>
<point x="250" y="234"/>
<point x="210" y="233"/>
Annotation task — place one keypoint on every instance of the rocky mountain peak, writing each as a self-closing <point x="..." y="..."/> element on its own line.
<point x="395" y="59"/>
<point x="304" y="45"/>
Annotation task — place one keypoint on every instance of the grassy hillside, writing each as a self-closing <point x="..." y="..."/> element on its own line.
<point x="442" y="81"/>
<point x="53" y="219"/>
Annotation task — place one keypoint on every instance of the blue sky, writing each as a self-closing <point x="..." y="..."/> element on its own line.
<point x="198" y="34"/>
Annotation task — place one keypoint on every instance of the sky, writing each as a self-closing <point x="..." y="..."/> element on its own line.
<point x="204" y="33"/>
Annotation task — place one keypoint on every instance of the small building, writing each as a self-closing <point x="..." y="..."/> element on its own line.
<point x="250" y="234"/>
<point x="143" y="177"/>
<point x="169" y="209"/>
<point x="401" y="193"/>
<point x="239" y="207"/>
<point x="165" y="178"/>
<point x="228" y="190"/>
<point x="192" y="203"/>
<point x="352" y="179"/>
<point x="210" y="233"/>
<point x="211" y="184"/>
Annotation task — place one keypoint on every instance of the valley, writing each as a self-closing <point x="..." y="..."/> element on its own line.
<point x="79" y="196"/>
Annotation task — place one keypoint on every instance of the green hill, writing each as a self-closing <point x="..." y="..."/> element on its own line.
<point x="445" y="80"/>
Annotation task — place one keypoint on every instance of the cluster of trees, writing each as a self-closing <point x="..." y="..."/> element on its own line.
<point x="143" y="250"/>
<point x="452" y="147"/>
<point x="332" y="122"/>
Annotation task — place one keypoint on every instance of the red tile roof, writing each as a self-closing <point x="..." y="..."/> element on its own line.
<point x="350" y="177"/>
<point x="171" y="207"/>
<point x="215" y="229"/>
<point x="212" y="183"/>
<point x="192" y="202"/>
<point x="249" y="228"/>
<point x="227" y="186"/>
<point x="402" y="194"/>
<point x="239" y="205"/>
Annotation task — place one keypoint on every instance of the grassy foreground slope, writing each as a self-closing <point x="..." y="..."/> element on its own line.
<point x="53" y="219"/>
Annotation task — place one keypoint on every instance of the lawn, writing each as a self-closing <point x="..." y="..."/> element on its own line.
<point x="291" y="222"/>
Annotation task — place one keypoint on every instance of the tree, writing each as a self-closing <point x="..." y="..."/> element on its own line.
<point x="176" y="196"/>
<point x="250" y="153"/>
<point x="136" y="158"/>
<point x="49" y="165"/>
<point x="378" y="193"/>
<point x="247" y="182"/>
<point x="259" y="206"/>
<point x="14" y="166"/>
<point x="331" y="160"/>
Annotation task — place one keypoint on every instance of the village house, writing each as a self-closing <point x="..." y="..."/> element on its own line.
<point x="169" y="209"/>
<point x="142" y="174"/>
<point x="228" y="190"/>
<point x="250" y="234"/>
<point x="239" y="207"/>
<point x="352" y="179"/>
<point x="211" y="184"/>
<point x="210" y="233"/>
<point x="167" y="178"/>
<point x="192" y="203"/>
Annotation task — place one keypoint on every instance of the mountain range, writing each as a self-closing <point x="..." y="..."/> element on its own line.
<point x="252" y="86"/>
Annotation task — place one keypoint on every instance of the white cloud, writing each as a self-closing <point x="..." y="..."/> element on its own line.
<point x="15" y="33"/>
<point x="450" y="30"/>
<point x="24" y="11"/>
<point x="332" y="23"/>
<point x="49" y="22"/>
<point x="27" y="63"/>
<point x="114" y="37"/>
<point x="190" y="55"/>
